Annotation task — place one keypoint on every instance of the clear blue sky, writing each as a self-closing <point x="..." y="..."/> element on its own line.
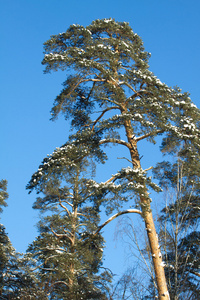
<point x="170" y="31"/>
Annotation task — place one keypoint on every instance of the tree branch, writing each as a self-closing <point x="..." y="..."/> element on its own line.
<point x="64" y="207"/>
<point x="148" y="135"/>
<point x="101" y="115"/>
<point x="60" y="282"/>
<point x="115" y="141"/>
<point x="61" y="235"/>
<point x="195" y="273"/>
<point x="130" y="87"/>
<point x="125" y="158"/>
<point x="81" y="81"/>
<point x="117" y="215"/>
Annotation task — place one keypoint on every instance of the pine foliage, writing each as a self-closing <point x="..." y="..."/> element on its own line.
<point x="111" y="97"/>
<point x="110" y="87"/>
<point x="68" y="254"/>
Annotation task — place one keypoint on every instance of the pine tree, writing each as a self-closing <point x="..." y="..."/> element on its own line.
<point x="112" y="97"/>
<point x="68" y="254"/>
<point x="4" y="239"/>
<point x="6" y="249"/>
<point x="16" y="279"/>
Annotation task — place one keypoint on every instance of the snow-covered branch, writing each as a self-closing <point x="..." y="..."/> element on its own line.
<point x="127" y="211"/>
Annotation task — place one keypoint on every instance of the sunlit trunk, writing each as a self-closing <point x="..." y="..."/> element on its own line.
<point x="149" y="222"/>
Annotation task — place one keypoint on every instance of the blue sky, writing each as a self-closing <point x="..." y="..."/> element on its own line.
<point x="170" y="31"/>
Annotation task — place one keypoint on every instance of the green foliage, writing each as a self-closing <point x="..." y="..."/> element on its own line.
<point x="15" y="278"/>
<point x="68" y="254"/>
<point x="3" y="193"/>
<point x="109" y="71"/>
<point x="66" y="159"/>
<point x="109" y="86"/>
<point x="111" y="97"/>
<point x="5" y="245"/>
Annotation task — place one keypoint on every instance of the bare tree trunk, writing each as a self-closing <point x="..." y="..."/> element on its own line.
<point x="157" y="258"/>
<point x="149" y="222"/>
<point x="73" y="237"/>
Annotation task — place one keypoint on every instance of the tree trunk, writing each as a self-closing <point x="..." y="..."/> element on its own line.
<point x="156" y="256"/>
<point x="72" y="251"/>
<point x="149" y="222"/>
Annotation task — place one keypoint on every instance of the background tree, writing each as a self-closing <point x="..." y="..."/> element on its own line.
<point x="4" y="238"/>
<point x="16" y="279"/>
<point x="111" y="95"/>
<point x="131" y="285"/>
<point x="178" y="224"/>
<point x="68" y="254"/>
<point x="179" y="220"/>
<point x="138" y="281"/>
<point x="5" y="245"/>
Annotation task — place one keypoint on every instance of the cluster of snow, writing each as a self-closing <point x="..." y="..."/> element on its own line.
<point x="186" y="130"/>
<point x="188" y="124"/>
<point x="108" y="20"/>
<point x="138" y="116"/>
<point x="54" y="56"/>
<point x="125" y="44"/>
<point x="139" y="74"/>
<point x="149" y="76"/>
<point x="122" y="116"/>
<point x="88" y="31"/>
<point x="102" y="185"/>
<point x="86" y="62"/>
<point x="157" y="105"/>
<point x="102" y="46"/>
<point x="163" y="264"/>
<point x="193" y="105"/>
<point x="80" y="51"/>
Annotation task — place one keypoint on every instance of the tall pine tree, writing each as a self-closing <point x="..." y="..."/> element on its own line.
<point x="112" y="97"/>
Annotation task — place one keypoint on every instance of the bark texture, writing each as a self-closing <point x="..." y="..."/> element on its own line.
<point x="149" y="222"/>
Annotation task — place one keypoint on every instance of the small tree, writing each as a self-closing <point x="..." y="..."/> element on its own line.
<point x="111" y="96"/>
<point x="68" y="254"/>
<point x="16" y="279"/>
